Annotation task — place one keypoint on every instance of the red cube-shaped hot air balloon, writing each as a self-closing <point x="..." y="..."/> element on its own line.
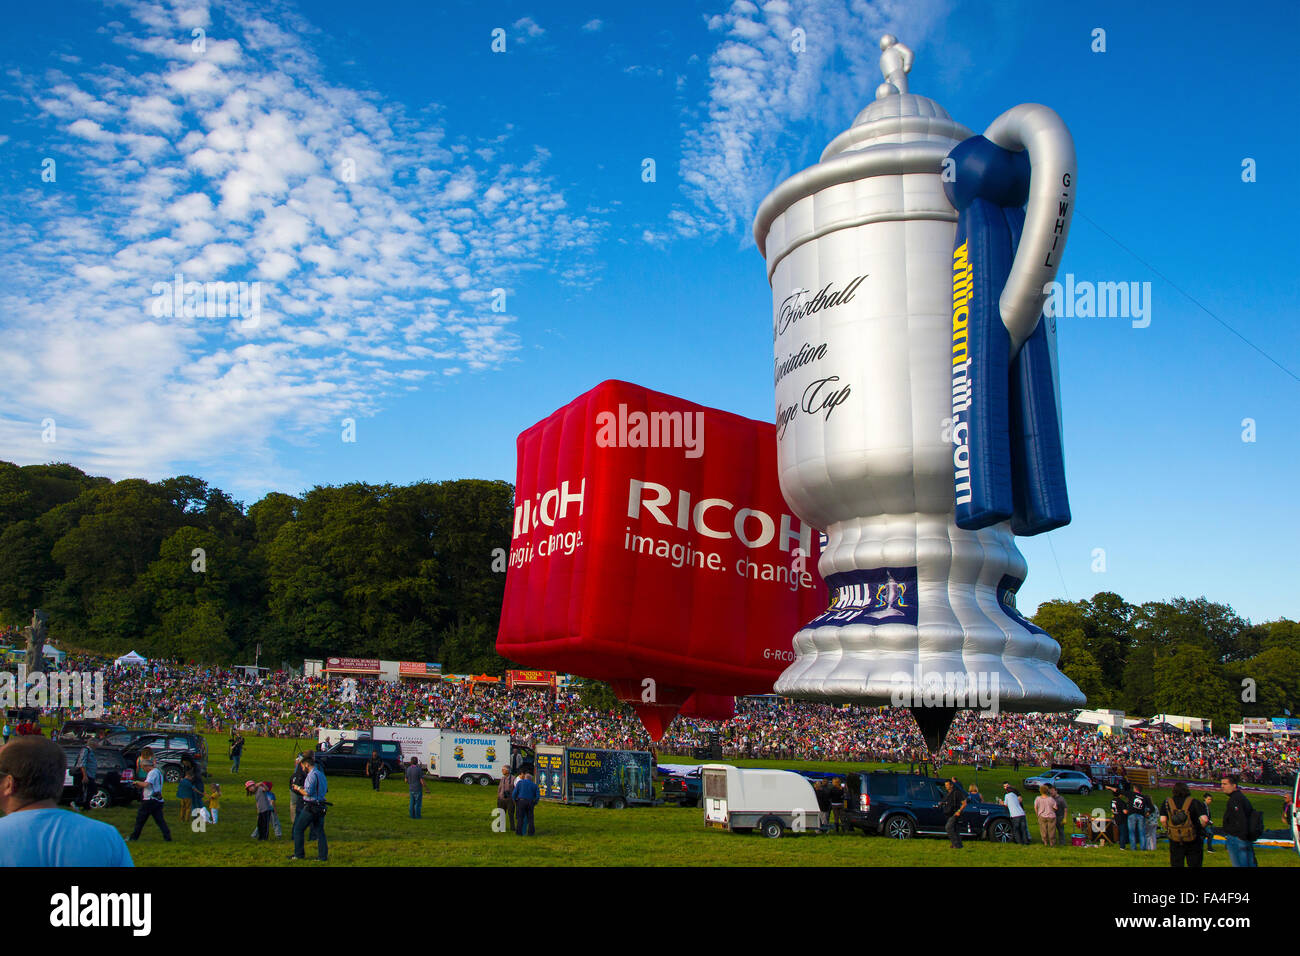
<point x="652" y="549"/>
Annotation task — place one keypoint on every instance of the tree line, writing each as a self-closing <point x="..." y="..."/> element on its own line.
<point x="1195" y="658"/>
<point x="179" y="569"/>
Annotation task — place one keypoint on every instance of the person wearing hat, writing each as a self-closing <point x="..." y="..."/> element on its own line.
<point x="261" y="794"/>
<point x="296" y="780"/>
<point x="313" y="792"/>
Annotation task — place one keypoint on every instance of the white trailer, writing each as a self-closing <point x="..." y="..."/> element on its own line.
<point x="466" y="756"/>
<point x="771" y="801"/>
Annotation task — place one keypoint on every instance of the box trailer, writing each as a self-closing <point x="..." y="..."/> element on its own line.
<point x="469" y="757"/>
<point x="771" y="801"/>
<point x="591" y="777"/>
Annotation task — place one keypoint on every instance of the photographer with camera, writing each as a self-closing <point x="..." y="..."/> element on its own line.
<point x="312" y="815"/>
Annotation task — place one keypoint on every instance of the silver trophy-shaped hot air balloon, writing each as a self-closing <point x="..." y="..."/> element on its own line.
<point x="917" y="414"/>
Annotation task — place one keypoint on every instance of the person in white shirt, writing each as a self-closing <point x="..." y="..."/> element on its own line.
<point x="151" y="800"/>
<point x="1019" y="823"/>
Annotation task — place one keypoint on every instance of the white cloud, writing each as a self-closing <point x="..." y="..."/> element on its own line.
<point x="528" y="29"/>
<point x="593" y="26"/>
<point x="375" y="235"/>
<point x="759" y="87"/>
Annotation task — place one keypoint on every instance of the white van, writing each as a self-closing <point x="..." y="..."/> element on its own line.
<point x="773" y="801"/>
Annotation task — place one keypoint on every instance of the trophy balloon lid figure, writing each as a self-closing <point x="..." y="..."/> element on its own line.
<point x="916" y="399"/>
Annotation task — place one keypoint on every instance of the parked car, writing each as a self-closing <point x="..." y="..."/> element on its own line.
<point x="170" y="750"/>
<point x="905" y="805"/>
<point x="114" y="776"/>
<point x="684" y="789"/>
<point x="351" y="757"/>
<point x="85" y="729"/>
<point x="1066" y="781"/>
<point x="123" y="737"/>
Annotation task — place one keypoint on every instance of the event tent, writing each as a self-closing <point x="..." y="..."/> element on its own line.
<point x="131" y="657"/>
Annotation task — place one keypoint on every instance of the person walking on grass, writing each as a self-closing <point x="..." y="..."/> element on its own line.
<point x="1045" y="810"/>
<point x="1119" y="810"/>
<point x="151" y="798"/>
<point x="84" y="771"/>
<point x="214" y="801"/>
<point x="1016" y="808"/>
<point x="1185" y="820"/>
<point x="415" y="783"/>
<point x="1152" y="823"/>
<point x="505" y="797"/>
<point x="952" y="804"/>
<point x="375" y="768"/>
<point x="1062" y="815"/>
<point x="1236" y="824"/>
<point x="526" y="796"/>
<point x="296" y="780"/>
<point x="313" y="791"/>
<point x="1137" y="818"/>
<point x="186" y="796"/>
<point x="236" y="751"/>
<point x="1208" y="801"/>
<point x="263" y="804"/>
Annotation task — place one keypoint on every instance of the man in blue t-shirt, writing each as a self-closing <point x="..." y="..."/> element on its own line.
<point x="526" y="794"/>
<point x="34" y="831"/>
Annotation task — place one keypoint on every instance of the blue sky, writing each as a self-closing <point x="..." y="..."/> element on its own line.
<point x="475" y="171"/>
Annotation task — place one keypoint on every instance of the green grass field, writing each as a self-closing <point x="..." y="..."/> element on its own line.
<point x="373" y="829"/>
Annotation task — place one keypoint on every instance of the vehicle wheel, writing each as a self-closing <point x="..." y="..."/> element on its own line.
<point x="172" y="774"/>
<point x="484" y="780"/>
<point x="618" y="803"/>
<point x="690" y="802"/>
<point x="468" y="779"/>
<point x="1000" y="831"/>
<point x="900" y="828"/>
<point x="1084" y="791"/>
<point x="598" y="803"/>
<point x="771" y="828"/>
<point x="101" y="800"/>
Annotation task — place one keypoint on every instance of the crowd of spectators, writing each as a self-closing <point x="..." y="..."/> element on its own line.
<point x="283" y="705"/>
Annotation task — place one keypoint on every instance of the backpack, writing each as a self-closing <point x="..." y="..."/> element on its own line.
<point x="1255" y="830"/>
<point x="1181" y="828"/>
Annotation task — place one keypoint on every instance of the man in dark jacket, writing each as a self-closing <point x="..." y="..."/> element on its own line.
<point x="1236" y="824"/>
<point x="1119" y="809"/>
<point x="952" y="804"/>
<point x="375" y="769"/>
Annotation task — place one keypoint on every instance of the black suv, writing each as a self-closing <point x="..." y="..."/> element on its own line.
<point x="351" y="756"/>
<point x="169" y="749"/>
<point x="904" y="805"/>
<point x="85" y="729"/>
<point x="114" y="777"/>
